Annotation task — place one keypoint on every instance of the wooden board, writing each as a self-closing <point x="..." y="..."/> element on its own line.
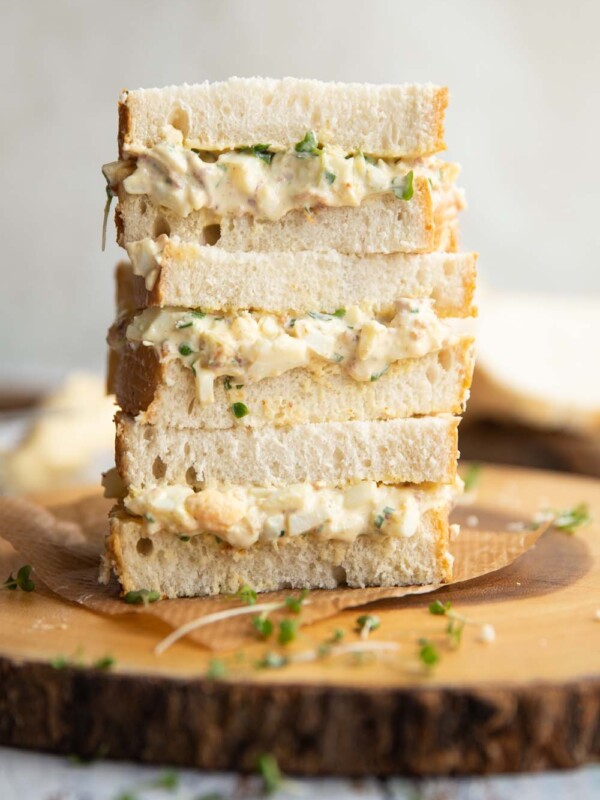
<point x="529" y="700"/>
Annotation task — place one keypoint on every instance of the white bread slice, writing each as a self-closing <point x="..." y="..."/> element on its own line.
<point x="195" y="276"/>
<point x="381" y="224"/>
<point x="547" y="378"/>
<point x="415" y="450"/>
<point x="203" y="566"/>
<point x="438" y="382"/>
<point x="385" y="120"/>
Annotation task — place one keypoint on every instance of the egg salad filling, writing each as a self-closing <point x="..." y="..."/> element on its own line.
<point x="246" y="346"/>
<point x="244" y="515"/>
<point x="266" y="184"/>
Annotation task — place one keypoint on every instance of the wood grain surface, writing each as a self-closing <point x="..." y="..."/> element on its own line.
<point x="529" y="700"/>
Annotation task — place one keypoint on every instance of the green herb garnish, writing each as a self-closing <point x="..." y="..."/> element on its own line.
<point x="270" y="773"/>
<point x="318" y="315"/>
<point x="403" y="187"/>
<point x="385" y="515"/>
<point x="227" y="383"/>
<point x="376" y="375"/>
<point x="288" y="629"/>
<point x="216" y="669"/>
<point x="168" y="780"/>
<point x="272" y="660"/>
<point x="340" y="312"/>
<point x="107" y="205"/>
<point x="428" y="653"/>
<point x="181" y="325"/>
<point x="367" y="623"/>
<point x="140" y="596"/>
<point x="330" y="177"/>
<point x="309" y="145"/>
<point x="438" y="608"/>
<point x="106" y="662"/>
<point x="472" y="476"/>
<point x="294" y="604"/>
<point x="148" y="517"/>
<point x="263" y="626"/>
<point x="185" y="350"/>
<point x="22" y="580"/>
<point x="570" y="519"/>
<point x="260" y="151"/>
<point x="247" y="595"/>
<point x="198" y="313"/>
<point x="240" y="410"/>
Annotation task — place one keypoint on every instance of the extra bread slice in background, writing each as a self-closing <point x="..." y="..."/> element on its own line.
<point x="412" y="450"/>
<point x="438" y="382"/>
<point x="385" y="120"/>
<point x="548" y="378"/>
<point x="194" y="276"/>
<point x="203" y="566"/>
<point x="381" y="224"/>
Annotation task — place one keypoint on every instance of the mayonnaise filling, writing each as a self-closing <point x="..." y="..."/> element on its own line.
<point x="244" y="515"/>
<point x="246" y="347"/>
<point x="268" y="185"/>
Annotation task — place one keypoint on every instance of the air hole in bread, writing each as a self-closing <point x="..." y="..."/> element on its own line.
<point x="339" y="576"/>
<point x="159" y="468"/>
<point x="186" y="449"/>
<point x="180" y="120"/>
<point x="191" y="406"/>
<point x="431" y="374"/>
<point x="145" y="546"/>
<point x="267" y="99"/>
<point x="143" y="206"/>
<point x="147" y="434"/>
<point x="161" y="226"/>
<point x="445" y="360"/>
<point x="190" y="477"/>
<point x="212" y="234"/>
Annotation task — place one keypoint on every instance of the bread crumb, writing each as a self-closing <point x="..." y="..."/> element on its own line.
<point x="487" y="633"/>
<point x="472" y="520"/>
<point x="597" y="615"/>
<point x="515" y="527"/>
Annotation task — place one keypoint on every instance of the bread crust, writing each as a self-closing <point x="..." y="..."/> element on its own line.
<point x="205" y="566"/>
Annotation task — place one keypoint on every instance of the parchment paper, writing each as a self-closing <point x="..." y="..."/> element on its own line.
<point x="64" y="548"/>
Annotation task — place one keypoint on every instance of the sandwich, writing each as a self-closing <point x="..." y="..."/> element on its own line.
<point x="284" y="354"/>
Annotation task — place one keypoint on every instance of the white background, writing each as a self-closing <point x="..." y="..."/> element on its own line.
<point x="524" y="121"/>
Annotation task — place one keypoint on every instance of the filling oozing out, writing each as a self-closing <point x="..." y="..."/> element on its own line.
<point x="246" y="346"/>
<point x="266" y="184"/>
<point x="244" y="515"/>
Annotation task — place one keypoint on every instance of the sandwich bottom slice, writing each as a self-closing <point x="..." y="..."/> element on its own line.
<point x="182" y="543"/>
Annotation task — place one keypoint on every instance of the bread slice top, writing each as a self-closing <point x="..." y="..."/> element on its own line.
<point x="397" y="121"/>
<point x="189" y="275"/>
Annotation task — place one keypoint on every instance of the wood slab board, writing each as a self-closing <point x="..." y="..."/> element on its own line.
<point x="530" y="700"/>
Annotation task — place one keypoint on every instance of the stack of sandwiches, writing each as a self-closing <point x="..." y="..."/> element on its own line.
<point x="283" y="356"/>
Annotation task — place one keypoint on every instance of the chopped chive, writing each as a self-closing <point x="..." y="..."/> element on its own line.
<point x="308" y="145"/>
<point x="330" y="177"/>
<point x="260" y="151"/>
<point x="272" y="660"/>
<point x="571" y="519"/>
<point x="185" y="350"/>
<point x="270" y="773"/>
<point x="376" y="375"/>
<point x="240" y="410"/>
<point x="438" y="608"/>
<point x="294" y="604"/>
<point x="472" y="476"/>
<point x="340" y="312"/>
<point x="198" y="313"/>
<point x="148" y="517"/>
<point x="106" y="662"/>
<point x="367" y="623"/>
<point x="181" y="325"/>
<point x="22" y="580"/>
<point x="403" y="187"/>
